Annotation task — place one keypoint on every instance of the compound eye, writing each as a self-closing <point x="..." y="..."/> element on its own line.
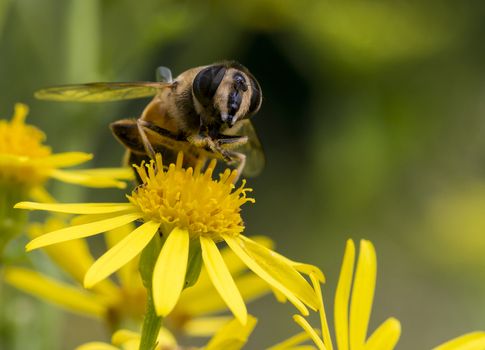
<point x="256" y="97"/>
<point x="206" y="83"/>
<point x="240" y="83"/>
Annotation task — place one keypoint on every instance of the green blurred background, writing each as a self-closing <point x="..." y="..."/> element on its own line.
<point x="372" y="122"/>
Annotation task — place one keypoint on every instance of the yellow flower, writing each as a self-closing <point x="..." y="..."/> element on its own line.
<point x="115" y="303"/>
<point x="351" y="323"/>
<point x="469" y="341"/>
<point x="352" y="308"/>
<point x="187" y="207"/>
<point x="26" y="162"/>
<point x="232" y="336"/>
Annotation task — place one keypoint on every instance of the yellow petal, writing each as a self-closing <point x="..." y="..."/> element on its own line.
<point x="20" y="113"/>
<point x="40" y="194"/>
<point x="222" y="279"/>
<point x="385" y="337"/>
<point x="249" y="285"/>
<point x="233" y="335"/>
<point x="169" y="271"/>
<point x="362" y="295"/>
<point x="342" y="297"/>
<point x="469" y="341"/>
<point x="277" y="272"/>
<point x="123" y="335"/>
<point x="292" y="342"/>
<point x="68" y="297"/>
<point x="166" y="339"/>
<point x="121" y="253"/>
<point x="96" y="346"/>
<point x="306" y="269"/>
<point x="66" y="159"/>
<point x="233" y="263"/>
<point x="311" y="332"/>
<point x="85" y="179"/>
<point x="327" y="340"/>
<point x="65" y="253"/>
<point x="128" y="274"/>
<point x="204" y="326"/>
<point x="77" y="208"/>
<point x="124" y="173"/>
<point x="80" y="231"/>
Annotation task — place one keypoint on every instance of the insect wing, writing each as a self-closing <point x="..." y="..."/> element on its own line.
<point x="101" y="92"/>
<point x="253" y="149"/>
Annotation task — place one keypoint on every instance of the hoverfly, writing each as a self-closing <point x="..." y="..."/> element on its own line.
<point x="203" y="112"/>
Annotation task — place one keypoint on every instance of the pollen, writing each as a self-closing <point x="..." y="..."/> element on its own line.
<point x="20" y="144"/>
<point x="190" y="198"/>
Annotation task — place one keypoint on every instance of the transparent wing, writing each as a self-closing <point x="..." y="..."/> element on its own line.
<point x="253" y="149"/>
<point x="100" y="92"/>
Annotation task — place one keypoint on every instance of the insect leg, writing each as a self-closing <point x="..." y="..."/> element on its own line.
<point x="144" y="139"/>
<point x="240" y="160"/>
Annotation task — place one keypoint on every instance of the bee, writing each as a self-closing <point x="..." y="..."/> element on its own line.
<point x="204" y="112"/>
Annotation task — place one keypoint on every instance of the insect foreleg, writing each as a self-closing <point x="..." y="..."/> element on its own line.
<point x="239" y="159"/>
<point x="144" y="139"/>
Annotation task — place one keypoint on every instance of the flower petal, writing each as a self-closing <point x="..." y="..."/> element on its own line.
<point x="128" y="274"/>
<point x="40" y="194"/>
<point x="233" y="335"/>
<point x="80" y="231"/>
<point x="123" y="335"/>
<point x="249" y="285"/>
<point x="386" y="336"/>
<point x="362" y="295"/>
<point x="222" y="279"/>
<point x="63" y="254"/>
<point x="169" y="271"/>
<point x="310" y="331"/>
<point x="204" y="326"/>
<point x="77" y="208"/>
<point x="469" y="341"/>
<point x="121" y="253"/>
<point x="68" y="297"/>
<point x="274" y="270"/>
<point x="292" y="342"/>
<point x="96" y="346"/>
<point x="65" y="159"/>
<point x="123" y="173"/>
<point x="327" y="340"/>
<point x="342" y="296"/>
<point x="85" y="179"/>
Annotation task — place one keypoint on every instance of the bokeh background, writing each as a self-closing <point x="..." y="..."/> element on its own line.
<point x="372" y="122"/>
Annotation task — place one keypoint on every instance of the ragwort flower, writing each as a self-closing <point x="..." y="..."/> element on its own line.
<point x="186" y="206"/>
<point x="115" y="302"/>
<point x="351" y="323"/>
<point x="352" y="308"/>
<point x="231" y="336"/>
<point x="26" y="162"/>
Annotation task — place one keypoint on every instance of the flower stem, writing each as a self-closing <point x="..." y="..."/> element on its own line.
<point x="151" y="326"/>
<point x="12" y="221"/>
<point x="152" y="322"/>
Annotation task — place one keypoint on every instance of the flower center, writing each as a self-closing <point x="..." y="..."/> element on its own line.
<point x="190" y="199"/>
<point x="20" y="144"/>
<point x="20" y="139"/>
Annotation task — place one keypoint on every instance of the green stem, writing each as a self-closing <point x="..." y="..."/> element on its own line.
<point x="152" y="322"/>
<point x="12" y="221"/>
<point x="151" y="326"/>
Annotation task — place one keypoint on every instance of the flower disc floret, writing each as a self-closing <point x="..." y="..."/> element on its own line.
<point x="190" y="199"/>
<point x="19" y="143"/>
